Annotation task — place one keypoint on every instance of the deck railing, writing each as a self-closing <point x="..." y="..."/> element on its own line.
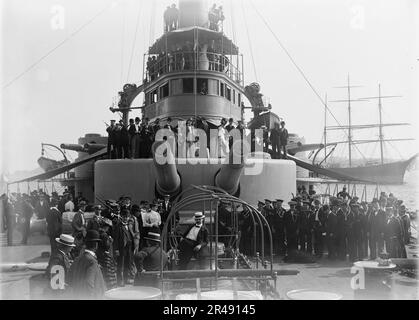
<point x="192" y="61"/>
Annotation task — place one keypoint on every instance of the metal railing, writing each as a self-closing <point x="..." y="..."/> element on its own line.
<point x="191" y="61"/>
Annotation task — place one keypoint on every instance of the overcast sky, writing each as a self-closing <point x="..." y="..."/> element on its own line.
<point x="69" y="92"/>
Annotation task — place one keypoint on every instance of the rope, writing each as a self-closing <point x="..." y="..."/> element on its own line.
<point x="299" y="69"/>
<point x="124" y="27"/>
<point x="46" y="55"/>
<point x="249" y="42"/>
<point x="135" y="38"/>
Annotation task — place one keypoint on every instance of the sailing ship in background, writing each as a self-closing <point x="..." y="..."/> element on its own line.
<point x="380" y="172"/>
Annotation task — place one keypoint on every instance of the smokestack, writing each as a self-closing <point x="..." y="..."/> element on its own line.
<point x="193" y="13"/>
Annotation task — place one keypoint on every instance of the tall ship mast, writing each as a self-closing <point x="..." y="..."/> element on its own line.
<point x="382" y="172"/>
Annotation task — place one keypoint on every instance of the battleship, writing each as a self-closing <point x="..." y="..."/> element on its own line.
<point x="209" y="87"/>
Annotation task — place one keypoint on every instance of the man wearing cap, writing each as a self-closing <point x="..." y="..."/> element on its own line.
<point x="111" y="140"/>
<point x="331" y="222"/>
<point x="319" y="227"/>
<point x="61" y="257"/>
<point x="342" y="223"/>
<point x="393" y="234"/>
<point x="194" y="243"/>
<point x="304" y="228"/>
<point x="291" y="228"/>
<point x="377" y="222"/>
<point x="85" y="277"/>
<point x="344" y="194"/>
<point x="279" y="227"/>
<point x="54" y="224"/>
<point x="126" y="245"/>
<point x="95" y="222"/>
<point x="151" y="258"/>
<point x="79" y="225"/>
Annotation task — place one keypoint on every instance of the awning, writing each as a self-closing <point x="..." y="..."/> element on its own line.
<point x="204" y="36"/>
<point x="56" y="172"/>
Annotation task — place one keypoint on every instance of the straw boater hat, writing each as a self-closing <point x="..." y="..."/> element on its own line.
<point x="66" y="240"/>
<point x="199" y="215"/>
<point x="153" y="237"/>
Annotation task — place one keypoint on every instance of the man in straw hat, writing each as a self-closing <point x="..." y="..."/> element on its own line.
<point x="59" y="265"/>
<point x="85" y="277"/>
<point x="194" y="242"/>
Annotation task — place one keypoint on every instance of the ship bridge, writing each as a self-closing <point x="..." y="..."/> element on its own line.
<point x="193" y="70"/>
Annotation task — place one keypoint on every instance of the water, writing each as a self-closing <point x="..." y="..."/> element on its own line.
<point x="408" y="192"/>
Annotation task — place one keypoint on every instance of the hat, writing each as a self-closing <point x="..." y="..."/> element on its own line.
<point x="82" y="203"/>
<point x="66" y="240"/>
<point x="292" y="203"/>
<point x="316" y="201"/>
<point x="267" y="200"/>
<point x="306" y="202"/>
<point x="279" y="200"/>
<point x="199" y="215"/>
<point x="153" y="237"/>
<point x="113" y="120"/>
<point x="92" y="236"/>
<point x="107" y="222"/>
<point x="375" y="200"/>
<point x="98" y="206"/>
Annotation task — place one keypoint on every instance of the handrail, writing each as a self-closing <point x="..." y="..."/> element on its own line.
<point x="187" y="61"/>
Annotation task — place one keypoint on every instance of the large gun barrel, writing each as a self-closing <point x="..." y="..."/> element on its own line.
<point x="228" y="178"/>
<point x="94" y="147"/>
<point x="73" y="147"/>
<point x="167" y="178"/>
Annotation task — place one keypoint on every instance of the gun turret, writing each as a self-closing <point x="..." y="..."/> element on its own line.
<point x="168" y="181"/>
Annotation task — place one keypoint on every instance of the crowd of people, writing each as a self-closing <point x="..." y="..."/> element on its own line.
<point x="344" y="227"/>
<point x="135" y="140"/>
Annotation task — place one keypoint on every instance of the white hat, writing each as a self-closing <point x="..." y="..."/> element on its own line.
<point x="66" y="240"/>
<point x="199" y="215"/>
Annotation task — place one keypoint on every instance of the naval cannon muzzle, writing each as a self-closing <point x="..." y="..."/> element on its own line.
<point x="228" y="177"/>
<point x="168" y="180"/>
<point x="94" y="147"/>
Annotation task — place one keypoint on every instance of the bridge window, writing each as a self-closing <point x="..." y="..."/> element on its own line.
<point x="228" y="93"/>
<point x="222" y="86"/>
<point x="177" y="86"/>
<point x="234" y="96"/>
<point x="188" y="85"/>
<point x="164" y="91"/>
<point x="239" y="99"/>
<point x="213" y="87"/>
<point x="202" y="86"/>
<point x="153" y="96"/>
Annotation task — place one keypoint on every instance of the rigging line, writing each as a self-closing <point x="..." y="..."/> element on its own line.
<point x="249" y="41"/>
<point x="42" y="58"/>
<point x="299" y="69"/>
<point x="135" y="39"/>
<point x="124" y="28"/>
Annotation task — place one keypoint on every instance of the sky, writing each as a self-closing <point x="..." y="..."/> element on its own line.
<point x="64" y="61"/>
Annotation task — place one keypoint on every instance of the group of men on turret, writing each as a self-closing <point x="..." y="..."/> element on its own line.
<point x="171" y="18"/>
<point x="344" y="226"/>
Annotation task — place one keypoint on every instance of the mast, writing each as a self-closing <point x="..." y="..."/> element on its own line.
<point x="380" y="116"/>
<point x="325" y="128"/>
<point x="381" y="136"/>
<point x="349" y="123"/>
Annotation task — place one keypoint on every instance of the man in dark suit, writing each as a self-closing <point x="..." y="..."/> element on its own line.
<point x="283" y="139"/>
<point x="54" y="225"/>
<point x="151" y="258"/>
<point x="124" y="152"/>
<point x="279" y="227"/>
<point x="111" y="140"/>
<point x="319" y="227"/>
<point x="377" y="223"/>
<point x="304" y="230"/>
<point x="27" y="213"/>
<point x="85" y="277"/>
<point x="194" y="243"/>
<point x="79" y="226"/>
<point x="331" y="224"/>
<point x="291" y="228"/>
<point x="42" y="207"/>
<point x="61" y="258"/>
<point x="126" y="237"/>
